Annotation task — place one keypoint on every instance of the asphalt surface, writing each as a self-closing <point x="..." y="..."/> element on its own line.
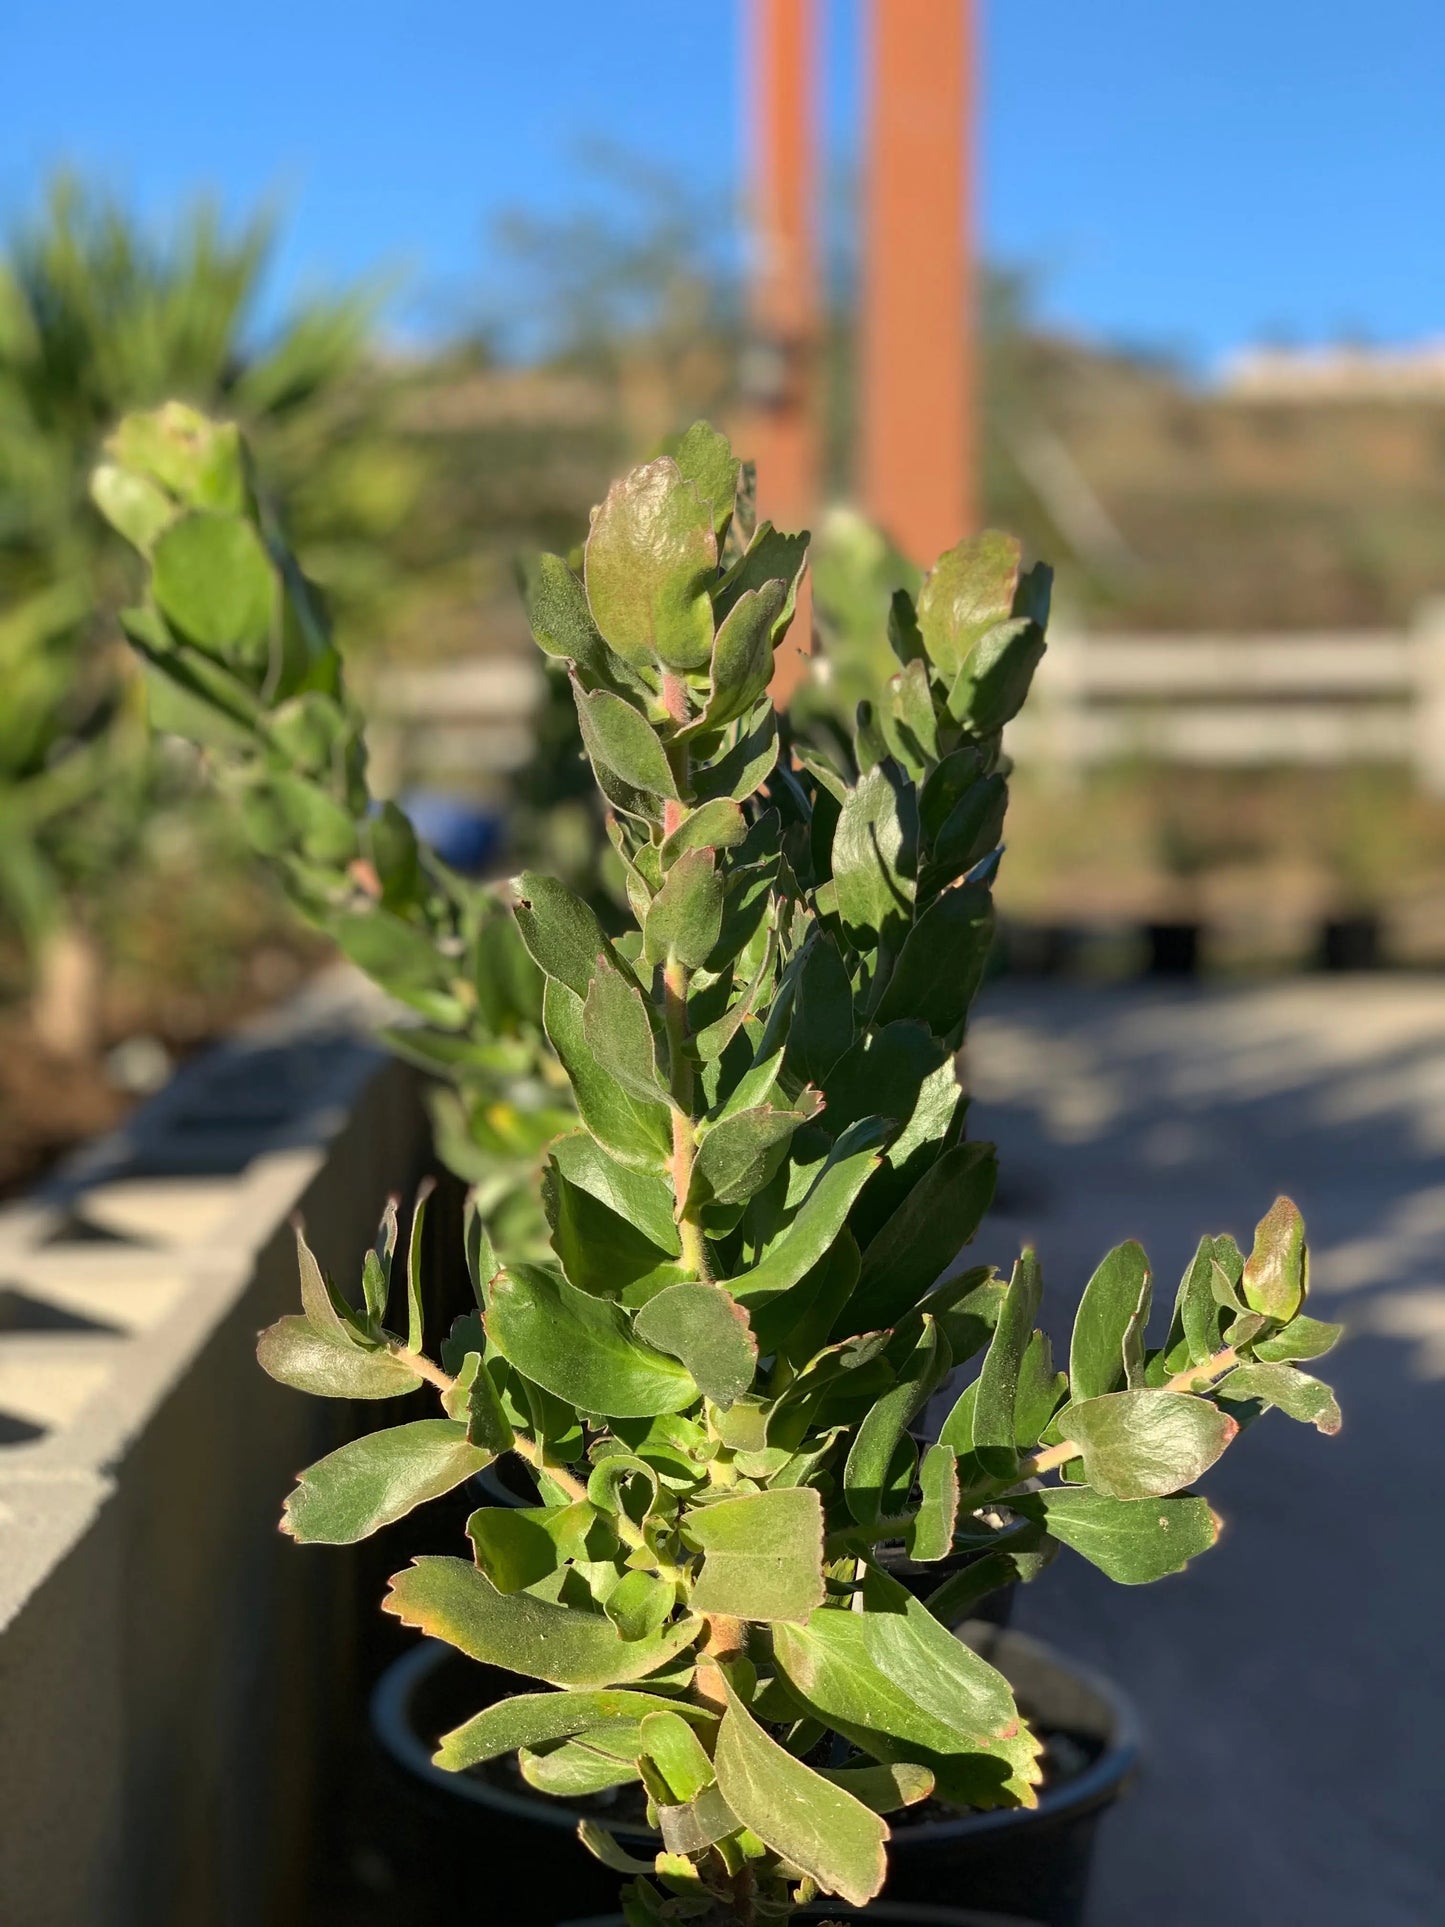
<point x="1291" y="1682"/>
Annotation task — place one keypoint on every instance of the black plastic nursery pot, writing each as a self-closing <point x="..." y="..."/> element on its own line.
<point x="1172" y="949"/>
<point x="1029" y="1863"/>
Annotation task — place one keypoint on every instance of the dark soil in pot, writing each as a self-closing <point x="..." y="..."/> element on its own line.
<point x="445" y="1827"/>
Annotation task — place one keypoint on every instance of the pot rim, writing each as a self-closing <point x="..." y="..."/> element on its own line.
<point x="1100" y="1782"/>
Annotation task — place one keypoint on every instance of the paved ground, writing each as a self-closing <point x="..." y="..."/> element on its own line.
<point x="1292" y="1682"/>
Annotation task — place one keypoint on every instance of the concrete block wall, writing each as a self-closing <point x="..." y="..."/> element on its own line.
<point x="167" y="1660"/>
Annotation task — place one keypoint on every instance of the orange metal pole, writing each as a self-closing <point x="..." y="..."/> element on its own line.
<point x="780" y="378"/>
<point x="778" y="428"/>
<point x="917" y="350"/>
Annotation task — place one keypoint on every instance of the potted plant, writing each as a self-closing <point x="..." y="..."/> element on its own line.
<point x="755" y="1226"/>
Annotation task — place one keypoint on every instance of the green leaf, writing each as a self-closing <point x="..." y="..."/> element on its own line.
<point x="556" y="605"/>
<point x="1018" y="1562"/>
<point x="1040" y="1388"/>
<point x="326" y="1312"/>
<point x="888" y="1073"/>
<point x="575" y="1769"/>
<point x="639" y="1604"/>
<point x="925" y="1234"/>
<point x="581" y="1348"/>
<point x="945" y="787"/>
<point x="643" y="1200"/>
<point x="213" y="579"/>
<point x="1114" y="1308"/>
<point x="993" y="1412"/>
<point x="993" y="683"/>
<point x="679" y="1755"/>
<point x="1301" y="1338"/>
<point x="902" y="1688"/>
<point x="966" y="592"/>
<point x="719" y="825"/>
<point x="621" y="739"/>
<point x="560" y="931"/>
<point x="476" y="1402"/>
<point x="1275" y="1274"/>
<point x="967" y="1309"/>
<point x="449" y="1599"/>
<point x="1296" y="1394"/>
<point x="132" y="504"/>
<point x="684" y="918"/>
<point x="873" y="855"/>
<point x="376" y="1267"/>
<point x="535" y="1719"/>
<point x="1146" y="1444"/>
<point x="883" y="1789"/>
<point x="747" y="765"/>
<point x="1134" y="1541"/>
<point x="742" y="659"/>
<point x="1196" y="1307"/>
<point x="739" y="1154"/>
<point x="866" y="1476"/>
<point x="931" y="1536"/>
<point x="295" y="1354"/>
<point x="635" y="1133"/>
<point x="415" y="1310"/>
<point x="820" y="1217"/>
<point x="956" y="1432"/>
<point x="705" y="458"/>
<point x="618" y="1031"/>
<point x="650" y="559"/>
<point x="912" y="725"/>
<point x="763" y="1554"/>
<point x="822" y="1025"/>
<point x="607" y="1848"/>
<point x="708" y="1330"/>
<point x="600" y="1252"/>
<point x="519" y="1546"/>
<point x="816" y="1827"/>
<point x="769" y="557"/>
<point x="382" y="1476"/>
<point x="971" y="830"/>
<point x="942" y="961"/>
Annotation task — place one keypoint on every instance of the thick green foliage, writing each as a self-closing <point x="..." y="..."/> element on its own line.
<point x="238" y="656"/>
<point x="716" y="1376"/>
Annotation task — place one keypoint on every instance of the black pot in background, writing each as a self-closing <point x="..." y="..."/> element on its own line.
<point x="1030" y="1862"/>
<point x="901" y="1916"/>
<point x="1353" y="942"/>
<point x="1173" y="949"/>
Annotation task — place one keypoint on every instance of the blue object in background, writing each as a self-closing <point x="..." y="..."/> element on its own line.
<point x="466" y="835"/>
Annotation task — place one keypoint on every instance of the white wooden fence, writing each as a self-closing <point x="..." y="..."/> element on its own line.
<point x="1368" y="695"/>
<point x="462" y="723"/>
<point x="1231" y="701"/>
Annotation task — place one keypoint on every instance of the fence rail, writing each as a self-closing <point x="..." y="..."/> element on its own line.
<point x="1232" y="701"/>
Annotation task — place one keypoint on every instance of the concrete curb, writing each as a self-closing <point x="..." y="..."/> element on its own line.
<point x="165" y="1657"/>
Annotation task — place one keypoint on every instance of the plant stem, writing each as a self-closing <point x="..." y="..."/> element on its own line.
<point x="674" y="1011"/>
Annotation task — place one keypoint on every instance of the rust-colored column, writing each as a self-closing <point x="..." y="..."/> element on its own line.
<point x="917" y="375"/>
<point x="778" y="426"/>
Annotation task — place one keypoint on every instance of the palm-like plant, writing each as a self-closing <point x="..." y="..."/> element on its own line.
<point x="97" y="317"/>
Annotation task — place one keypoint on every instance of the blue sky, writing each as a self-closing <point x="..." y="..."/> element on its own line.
<point x="1182" y="175"/>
